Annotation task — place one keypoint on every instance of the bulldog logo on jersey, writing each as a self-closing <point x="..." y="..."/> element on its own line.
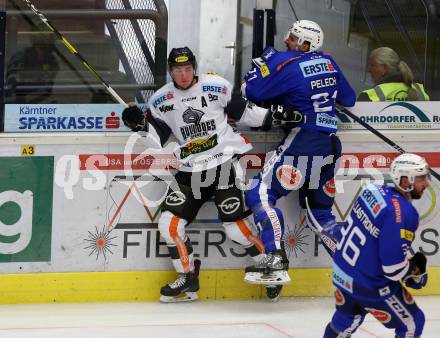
<point x="192" y="116"/>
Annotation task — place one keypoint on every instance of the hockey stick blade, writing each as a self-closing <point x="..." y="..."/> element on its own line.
<point x="380" y="135"/>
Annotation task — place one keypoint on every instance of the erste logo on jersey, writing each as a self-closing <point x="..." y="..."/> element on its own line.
<point x="214" y="88"/>
<point x="341" y="279"/>
<point x="195" y="128"/>
<point x="317" y="67"/>
<point x="163" y="98"/>
<point x="374" y="200"/>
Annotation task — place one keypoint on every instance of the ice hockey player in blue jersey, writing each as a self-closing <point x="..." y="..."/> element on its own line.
<point x="371" y="261"/>
<point x="305" y="83"/>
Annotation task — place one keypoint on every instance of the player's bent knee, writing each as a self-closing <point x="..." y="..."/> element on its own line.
<point x="234" y="232"/>
<point x="268" y="218"/>
<point x="171" y="226"/>
<point x="415" y="329"/>
<point x="420" y="323"/>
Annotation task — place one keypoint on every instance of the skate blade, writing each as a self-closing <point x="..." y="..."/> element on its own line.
<point x="274" y="300"/>
<point x="274" y="278"/>
<point x="270" y="297"/>
<point x="183" y="297"/>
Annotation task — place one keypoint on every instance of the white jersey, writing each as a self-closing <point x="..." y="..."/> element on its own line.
<point x="197" y="119"/>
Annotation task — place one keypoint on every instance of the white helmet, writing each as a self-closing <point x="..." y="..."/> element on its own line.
<point x="409" y="165"/>
<point x="307" y="31"/>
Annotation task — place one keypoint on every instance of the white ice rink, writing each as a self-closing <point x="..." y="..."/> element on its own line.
<point x="291" y="317"/>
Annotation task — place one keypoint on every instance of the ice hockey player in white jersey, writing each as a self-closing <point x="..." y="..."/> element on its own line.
<point x="195" y="109"/>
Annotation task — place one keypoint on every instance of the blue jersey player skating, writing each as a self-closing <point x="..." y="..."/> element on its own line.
<point x="304" y="81"/>
<point x="371" y="259"/>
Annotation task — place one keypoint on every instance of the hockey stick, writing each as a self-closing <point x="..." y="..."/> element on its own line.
<point x="380" y="135"/>
<point x="57" y="52"/>
<point x="328" y="240"/>
<point x="73" y="50"/>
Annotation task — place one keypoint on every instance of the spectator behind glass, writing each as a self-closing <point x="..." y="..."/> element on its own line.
<point x="394" y="80"/>
<point x="35" y="65"/>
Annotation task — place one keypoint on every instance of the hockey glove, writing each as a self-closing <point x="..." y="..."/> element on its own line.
<point x="133" y="118"/>
<point x="286" y="117"/>
<point x="417" y="276"/>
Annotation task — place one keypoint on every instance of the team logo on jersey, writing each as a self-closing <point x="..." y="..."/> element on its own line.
<point x="289" y="177"/>
<point x="317" y="67"/>
<point x="373" y="199"/>
<point x="176" y="198"/>
<point x="339" y="297"/>
<point x="407" y="297"/>
<point x="330" y="188"/>
<point x="192" y="116"/>
<point x="230" y="205"/>
<point x="195" y="127"/>
<point x="381" y="316"/>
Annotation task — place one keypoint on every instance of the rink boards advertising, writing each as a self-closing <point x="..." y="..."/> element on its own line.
<point x="25" y="118"/>
<point x="59" y="198"/>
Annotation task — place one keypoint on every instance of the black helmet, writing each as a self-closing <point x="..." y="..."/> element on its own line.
<point x="181" y="56"/>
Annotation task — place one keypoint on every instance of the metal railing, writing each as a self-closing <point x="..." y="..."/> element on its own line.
<point x="155" y="64"/>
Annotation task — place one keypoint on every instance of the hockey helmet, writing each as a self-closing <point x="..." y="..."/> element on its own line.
<point x="409" y="165"/>
<point x="307" y="31"/>
<point x="181" y="56"/>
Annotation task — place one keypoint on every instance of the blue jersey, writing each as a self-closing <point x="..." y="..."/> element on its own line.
<point x="372" y="251"/>
<point x="307" y="82"/>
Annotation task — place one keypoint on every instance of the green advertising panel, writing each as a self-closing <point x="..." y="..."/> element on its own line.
<point x="26" y="190"/>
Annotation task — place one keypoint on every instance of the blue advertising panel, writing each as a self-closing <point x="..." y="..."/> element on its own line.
<point x="63" y="118"/>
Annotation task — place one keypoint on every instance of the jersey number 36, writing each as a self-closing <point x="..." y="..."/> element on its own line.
<point x="352" y="239"/>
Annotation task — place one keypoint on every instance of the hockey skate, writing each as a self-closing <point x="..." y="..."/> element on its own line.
<point x="273" y="292"/>
<point x="184" y="288"/>
<point x="272" y="270"/>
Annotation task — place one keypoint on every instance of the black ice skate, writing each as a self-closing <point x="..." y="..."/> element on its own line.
<point x="184" y="288"/>
<point x="271" y="270"/>
<point x="273" y="292"/>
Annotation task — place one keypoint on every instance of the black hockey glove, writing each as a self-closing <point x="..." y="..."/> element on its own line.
<point x="417" y="276"/>
<point x="285" y="117"/>
<point x="133" y="118"/>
